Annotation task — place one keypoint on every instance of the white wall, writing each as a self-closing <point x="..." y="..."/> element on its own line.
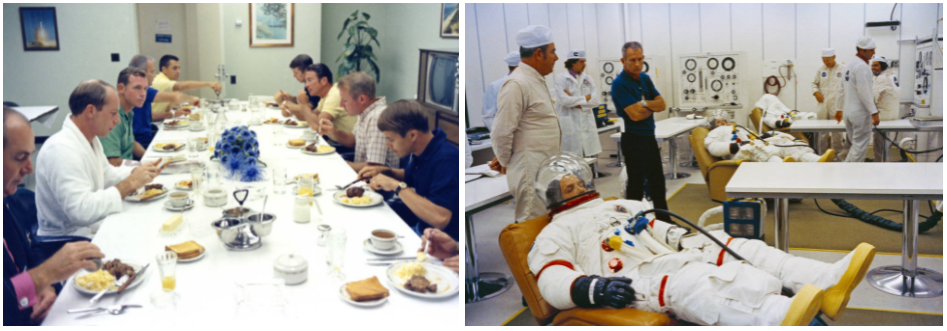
<point x="88" y="34"/>
<point x="796" y="32"/>
<point x="175" y="14"/>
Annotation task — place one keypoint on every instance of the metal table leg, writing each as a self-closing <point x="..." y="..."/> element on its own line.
<point x="781" y="230"/>
<point x="818" y="143"/>
<point x="885" y="149"/>
<point x="481" y="286"/>
<point x="672" y="142"/>
<point x="621" y="161"/>
<point x="908" y="280"/>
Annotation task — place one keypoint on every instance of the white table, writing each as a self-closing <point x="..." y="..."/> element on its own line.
<point x="480" y="194"/>
<point x="910" y="182"/>
<point x="823" y="126"/>
<point x="34" y="112"/>
<point x="484" y="144"/>
<point x="207" y="287"/>
<point x="668" y="129"/>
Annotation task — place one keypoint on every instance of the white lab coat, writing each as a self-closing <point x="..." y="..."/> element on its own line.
<point x="719" y="139"/>
<point x="859" y="103"/>
<point x="701" y="287"/>
<point x="579" y="133"/>
<point x="828" y="82"/>
<point x="774" y="110"/>
<point x="887" y="98"/>
<point x="526" y="132"/>
<point x="490" y="101"/>
<point x="75" y="184"/>
<point x="468" y="157"/>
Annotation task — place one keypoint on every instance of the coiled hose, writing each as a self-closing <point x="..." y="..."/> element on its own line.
<point x="882" y="222"/>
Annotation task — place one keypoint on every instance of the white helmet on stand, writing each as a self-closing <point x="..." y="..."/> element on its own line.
<point x="562" y="178"/>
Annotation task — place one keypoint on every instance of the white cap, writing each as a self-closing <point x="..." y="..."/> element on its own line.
<point x="865" y="43"/>
<point x="534" y="36"/>
<point x="576" y="54"/>
<point x="878" y="58"/>
<point x="512" y="59"/>
<point x="828" y="52"/>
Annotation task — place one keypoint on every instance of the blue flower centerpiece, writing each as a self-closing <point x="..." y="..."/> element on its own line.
<point x="239" y="152"/>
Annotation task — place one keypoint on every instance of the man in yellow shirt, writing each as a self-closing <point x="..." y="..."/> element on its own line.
<point x="166" y="81"/>
<point x="304" y="102"/>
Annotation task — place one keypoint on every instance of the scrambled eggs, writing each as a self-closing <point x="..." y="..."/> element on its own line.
<point x="324" y="149"/>
<point x="407" y="270"/>
<point x="96" y="281"/>
<point x="357" y="201"/>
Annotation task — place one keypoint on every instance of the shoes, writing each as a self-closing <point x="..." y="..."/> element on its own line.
<point x="789" y="159"/>
<point x="805" y="305"/>
<point x="836" y="297"/>
<point x="828" y="156"/>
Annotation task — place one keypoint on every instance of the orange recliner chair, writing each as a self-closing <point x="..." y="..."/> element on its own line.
<point x="515" y="242"/>
<point x="716" y="171"/>
<point x="755" y="116"/>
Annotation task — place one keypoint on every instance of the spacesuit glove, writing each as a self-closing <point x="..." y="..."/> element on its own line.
<point x="770" y="133"/>
<point x="595" y="291"/>
<point x="734" y="148"/>
<point x="783" y="124"/>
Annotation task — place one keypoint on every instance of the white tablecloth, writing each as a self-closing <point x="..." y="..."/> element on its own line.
<point x="208" y="287"/>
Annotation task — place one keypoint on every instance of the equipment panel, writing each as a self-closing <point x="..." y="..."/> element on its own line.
<point x="713" y="80"/>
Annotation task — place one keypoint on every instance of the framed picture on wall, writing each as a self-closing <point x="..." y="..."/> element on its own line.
<point x="271" y="24"/>
<point x="450" y="20"/>
<point x="40" y="32"/>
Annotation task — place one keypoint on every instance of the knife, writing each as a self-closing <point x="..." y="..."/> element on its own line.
<point x="130" y="280"/>
<point x="120" y="282"/>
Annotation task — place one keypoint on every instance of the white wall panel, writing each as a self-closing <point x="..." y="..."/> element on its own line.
<point x="747" y="37"/>
<point x="516" y="18"/>
<point x="812" y="31"/>
<point x="633" y="24"/>
<point x="611" y="31"/>
<point x="656" y="29"/>
<point x="885" y="39"/>
<point x="779" y="31"/>
<point x="560" y="34"/>
<point x="847" y="24"/>
<point x="685" y="28"/>
<point x="715" y="27"/>
<point x="576" y="28"/>
<point x="473" y="74"/>
<point x="538" y="13"/>
<point x="590" y="32"/>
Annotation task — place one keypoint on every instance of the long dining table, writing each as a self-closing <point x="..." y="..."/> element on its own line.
<point x="209" y="290"/>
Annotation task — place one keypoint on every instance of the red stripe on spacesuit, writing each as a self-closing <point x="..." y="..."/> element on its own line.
<point x="664" y="282"/>
<point x="651" y="224"/>
<point x="720" y="257"/>
<point x="563" y="263"/>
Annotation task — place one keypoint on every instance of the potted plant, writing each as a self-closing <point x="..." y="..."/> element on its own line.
<point x="358" y="48"/>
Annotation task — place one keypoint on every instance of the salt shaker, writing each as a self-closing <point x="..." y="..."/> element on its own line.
<point x="323" y="234"/>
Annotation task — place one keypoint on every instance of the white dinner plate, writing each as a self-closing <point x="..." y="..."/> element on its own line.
<point x="181" y="145"/>
<point x="345" y="297"/>
<point x="316" y="191"/>
<point x="395" y="250"/>
<point x="135" y="282"/>
<point x="376" y="199"/>
<point x="318" y="153"/>
<point x="297" y="126"/>
<point x="448" y="283"/>
<point x="294" y="147"/>
<point x="157" y="197"/>
<point x="181" y="187"/>
<point x="203" y="252"/>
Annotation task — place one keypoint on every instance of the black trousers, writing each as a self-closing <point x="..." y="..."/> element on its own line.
<point x="643" y="160"/>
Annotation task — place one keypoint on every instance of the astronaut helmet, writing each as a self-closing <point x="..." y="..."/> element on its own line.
<point x="562" y="178"/>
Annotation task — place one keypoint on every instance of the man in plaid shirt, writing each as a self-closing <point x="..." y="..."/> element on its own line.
<point x="357" y="91"/>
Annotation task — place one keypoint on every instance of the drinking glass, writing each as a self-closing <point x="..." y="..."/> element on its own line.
<point x="192" y="148"/>
<point x="279" y="180"/>
<point x="197" y="178"/>
<point x="167" y="263"/>
<point x="337" y="239"/>
<point x="278" y="137"/>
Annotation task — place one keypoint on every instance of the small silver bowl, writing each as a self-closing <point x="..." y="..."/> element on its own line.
<point x="235" y="212"/>
<point x="264" y="227"/>
<point x="227" y="229"/>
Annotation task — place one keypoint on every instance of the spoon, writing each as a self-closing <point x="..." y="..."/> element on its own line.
<point x="265" y="198"/>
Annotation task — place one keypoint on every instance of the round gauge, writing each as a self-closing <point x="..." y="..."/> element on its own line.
<point x="686" y="91"/>
<point x="690" y="64"/>
<point x="734" y="97"/>
<point x="691" y="78"/>
<point x="721" y="77"/>
<point x="608" y="67"/>
<point x="712" y="73"/>
<point x="716" y="85"/>
<point x="716" y="97"/>
<point x="734" y="76"/>
<point x="646" y="67"/>
<point x="731" y="62"/>
<point x="608" y="80"/>
<point x="686" y="98"/>
<point x="712" y="63"/>
<point x="683" y="72"/>
<point x="693" y="91"/>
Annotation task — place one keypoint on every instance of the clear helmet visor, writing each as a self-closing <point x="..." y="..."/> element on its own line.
<point x="562" y="178"/>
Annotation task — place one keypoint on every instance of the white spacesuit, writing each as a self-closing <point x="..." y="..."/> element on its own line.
<point x="727" y="141"/>
<point x="776" y="115"/>
<point x="859" y="104"/>
<point x="592" y="250"/>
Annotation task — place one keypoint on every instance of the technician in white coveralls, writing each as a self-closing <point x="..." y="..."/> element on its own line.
<point x="827" y="91"/>
<point x="577" y="97"/>
<point x="860" y="113"/>
<point x="729" y="141"/>
<point x="490" y="94"/>
<point x="887" y="98"/>
<point x="593" y="255"/>
<point x="777" y="116"/>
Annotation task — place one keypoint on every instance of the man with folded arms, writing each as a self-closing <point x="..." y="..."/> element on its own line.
<point x="120" y="143"/>
<point x="429" y="185"/>
<point x="357" y="92"/>
<point x="76" y="187"/>
<point x="27" y="285"/>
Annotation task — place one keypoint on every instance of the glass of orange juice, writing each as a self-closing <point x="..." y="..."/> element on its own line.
<point x="167" y="263"/>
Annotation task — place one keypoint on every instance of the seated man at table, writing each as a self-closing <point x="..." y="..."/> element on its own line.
<point x="76" y="187"/>
<point x="442" y="247"/>
<point x="429" y="185"/>
<point x="357" y="96"/>
<point x="141" y="124"/>
<point x="305" y="102"/>
<point x="120" y="143"/>
<point x="319" y="83"/>
<point x="730" y="141"/>
<point x="598" y="253"/>
<point x="167" y="81"/>
<point x="27" y="282"/>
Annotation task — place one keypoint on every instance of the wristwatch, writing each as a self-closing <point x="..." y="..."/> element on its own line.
<point x="401" y="185"/>
<point x="644" y="103"/>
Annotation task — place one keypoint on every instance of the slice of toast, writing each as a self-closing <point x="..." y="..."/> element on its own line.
<point x="186" y="250"/>
<point x="366" y="290"/>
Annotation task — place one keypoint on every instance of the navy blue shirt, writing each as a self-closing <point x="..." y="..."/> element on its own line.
<point x="434" y="176"/>
<point x="627" y="91"/>
<point x="141" y="123"/>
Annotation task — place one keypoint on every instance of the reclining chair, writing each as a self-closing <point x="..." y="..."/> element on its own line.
<point x="716" y="171"/>
<point x="755" y="115"/>
<point x="515" y="242"/>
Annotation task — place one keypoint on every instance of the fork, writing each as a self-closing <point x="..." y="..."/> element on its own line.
<point x="114" y="310"/>
<point x="118" y="284"/>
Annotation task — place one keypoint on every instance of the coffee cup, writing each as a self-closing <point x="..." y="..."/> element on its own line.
<point x="197" y="125"/>
<point x="384" y="239"/>
<point x="309" y="134"/>
<point x="179" y="199"/>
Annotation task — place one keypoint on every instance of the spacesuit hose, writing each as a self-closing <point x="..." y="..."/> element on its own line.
<point x="884" y="223"/>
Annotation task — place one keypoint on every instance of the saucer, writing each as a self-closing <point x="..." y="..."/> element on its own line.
<point x="167" y="205"/>
<point x="395" y="250"/>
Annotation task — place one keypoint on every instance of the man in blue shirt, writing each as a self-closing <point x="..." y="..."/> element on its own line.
<point x="636" y="100"/>
<point x="141" y="123"/>
<point x="434" y="201"/>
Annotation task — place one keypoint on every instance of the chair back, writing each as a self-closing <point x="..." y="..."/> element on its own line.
<point x="703" y="157"/>
<point x="515" y="242"/>
<point x="449" y="124"/>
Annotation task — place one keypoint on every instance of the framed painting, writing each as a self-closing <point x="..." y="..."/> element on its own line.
<point x="40" y="32"/>
<point x="450" y="20"/>
<point x="271" y="24"/>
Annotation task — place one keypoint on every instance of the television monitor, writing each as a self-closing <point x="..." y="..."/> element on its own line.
<point x="437" y="79"/>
